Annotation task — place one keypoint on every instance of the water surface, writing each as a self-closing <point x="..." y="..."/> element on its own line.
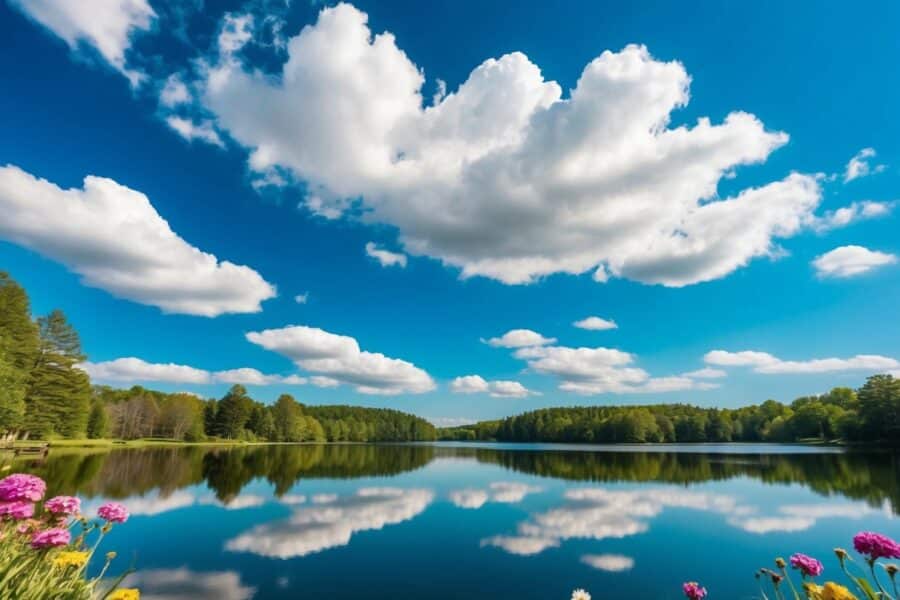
<point x="474" y="521"/>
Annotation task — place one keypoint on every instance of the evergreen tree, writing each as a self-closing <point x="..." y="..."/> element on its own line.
<point x="58" y="396"/>
<point x="12" y="392"/>
<point x="97" y="425"/>
<point x="233" y="412"/>
<point x="18" y="350"/>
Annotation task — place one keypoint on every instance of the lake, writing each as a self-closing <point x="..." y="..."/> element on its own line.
<point x="474" y="521"/>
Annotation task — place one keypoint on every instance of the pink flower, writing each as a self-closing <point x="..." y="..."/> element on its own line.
<point x="18" y="510"/>
<point x="63" y="505"/>
<point x="693" y="591"/>
<point x="807" y="565"/>
<point x="22" y="487"/>
<point x="113" y="512"/>
<point x="50" y="538"/>
<point x="876" y="545"/>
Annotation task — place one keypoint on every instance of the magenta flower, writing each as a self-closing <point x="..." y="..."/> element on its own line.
<point x="22" y="487"/>
<point x="17" y="510"/>
<point x="693" y="591"/>
<point x="63" y="505"/>
<point x="113" y="512"/>
<point x="50" y="538"/>
<point x="875" y="545"/>
<point x="807" y="565"/>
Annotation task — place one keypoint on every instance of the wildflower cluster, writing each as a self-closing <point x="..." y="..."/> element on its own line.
<point x="867" y="584"/>
<point x="39" y="557"/>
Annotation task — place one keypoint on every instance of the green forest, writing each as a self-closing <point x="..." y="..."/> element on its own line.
<point x="44" y="395"/>
<point x="869" y="414"/>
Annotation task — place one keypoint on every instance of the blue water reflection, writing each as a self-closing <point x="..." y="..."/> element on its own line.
<point x="473" y="522"/>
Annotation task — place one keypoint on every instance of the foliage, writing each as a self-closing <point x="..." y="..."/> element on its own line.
<point x="38" y="557"/>
<point x="872" y="415"/>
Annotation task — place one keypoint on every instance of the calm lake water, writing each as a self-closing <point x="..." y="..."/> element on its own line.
<point x="479" y="521"/>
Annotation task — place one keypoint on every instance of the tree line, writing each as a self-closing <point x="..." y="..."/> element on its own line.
<point x="869" y="414"/>
<point x="44" y="394"/>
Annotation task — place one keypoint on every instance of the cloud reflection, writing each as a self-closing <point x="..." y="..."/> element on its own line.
<point x="598" y="513"/>
<point x="319" y="527"/>
<point x="507" y="492"/>
<point x="614" y="563"/>
<point x="184" y="584"/>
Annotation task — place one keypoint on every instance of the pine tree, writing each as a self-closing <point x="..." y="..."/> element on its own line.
<point x="18" y="350"/>
<point x="58" y="397"/>
<point x="98" y="423"/>
<point x="234" y="412"/>
<point x="12" y="392"/>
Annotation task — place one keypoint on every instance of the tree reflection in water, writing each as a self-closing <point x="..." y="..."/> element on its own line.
<point x="872" y="477"/>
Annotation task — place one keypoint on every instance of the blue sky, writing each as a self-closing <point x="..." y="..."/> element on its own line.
<point x="757" y="248"/>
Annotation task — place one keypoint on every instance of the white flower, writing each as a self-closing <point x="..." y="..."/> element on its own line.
<point x="580" y="594"/>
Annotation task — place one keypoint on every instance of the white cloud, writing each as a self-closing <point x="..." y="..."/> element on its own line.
<point x="505" y="177"/>
<point x="385" y="257"/>
<point x="614" y="563"/>
<point x="302" y="298"/>
<point x="317" y="528"/>
<point x="600" y="370"/>
<point x="859" y="165"/>
<point x="190" y="130"/>
<point x="857" y="211"/>
<point x="338" y="358"/>
<point x="519" y="338"/>
<point x="847" y="261"/>
<point x="763" y="362"/>
<point x="131" y="370"/>
<point x="184" y="584"/>
<point x="174" y="92"/>
<point x="595" y="324"/>
<point x="113" y="237"/>
<point x="476" y="384"/>
<point x="106" y="26"/>
<point x="706" y="373"/>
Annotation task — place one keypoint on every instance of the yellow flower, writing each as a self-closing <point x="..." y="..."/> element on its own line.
<point x="125" y="594"/>
<point x="70" y="559"/>
<point x="833" y="591"/>
<point x="813" y="591"/>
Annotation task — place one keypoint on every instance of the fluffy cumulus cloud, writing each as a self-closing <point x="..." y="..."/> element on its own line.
<point x="590" y="371"/>
<point x="334" y="359"/>
<point x="385" y="257"/>
<point x="113" y="237"/>
<point x="332" y="524"/>
<point x="133" y="370"/>
<point x="519" y="338"/>
<point x="476" y="384"/>
<point x="856" y="211"/>
<point x="859" y="165"/>
<point x="105" y="26"/>
<point x="507" y="176"/>
<point x="847" y="261"/>
<point x="595" y="324"/>
<point x="763" y="362"/>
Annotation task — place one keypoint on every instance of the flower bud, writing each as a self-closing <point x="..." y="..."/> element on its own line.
<point x="779" y="562"/>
